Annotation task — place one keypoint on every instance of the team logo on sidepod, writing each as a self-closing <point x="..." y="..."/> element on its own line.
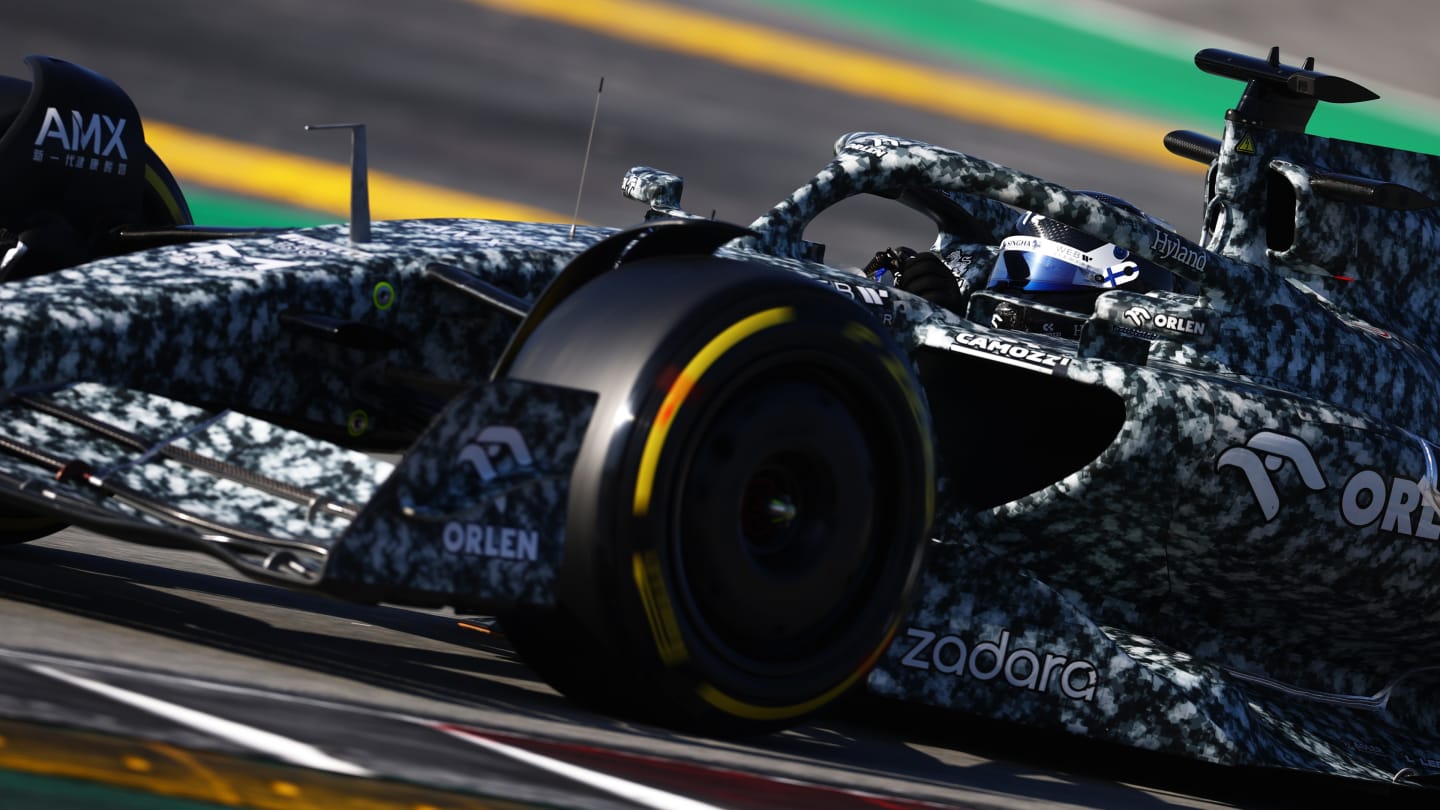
<point x="1394" y="504"/>
<point x="1264" y="455"/>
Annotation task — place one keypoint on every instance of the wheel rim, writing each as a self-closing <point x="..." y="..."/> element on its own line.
<point x="667" y="339"/>
<point x="771" y="504"/>
<point x="776" y="539"/>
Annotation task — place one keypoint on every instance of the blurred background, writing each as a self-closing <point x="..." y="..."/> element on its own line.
<point x="483" y="107"/>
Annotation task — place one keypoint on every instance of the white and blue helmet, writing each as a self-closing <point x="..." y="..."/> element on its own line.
<point x="1051" y="263"/>
<point x="1048" y="256"/>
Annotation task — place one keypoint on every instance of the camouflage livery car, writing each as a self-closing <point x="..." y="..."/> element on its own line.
<point x="703" y="477"/>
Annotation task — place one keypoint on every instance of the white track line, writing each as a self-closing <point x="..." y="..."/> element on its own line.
<point x="283" y="748"/>
<point x="632" y="791"/>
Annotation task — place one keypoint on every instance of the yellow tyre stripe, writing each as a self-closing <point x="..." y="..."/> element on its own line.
<point x="664" y="627"/>
<point x="680" y="389"/>
<point x="749" y="711"/>
<point x="649" y="578"/>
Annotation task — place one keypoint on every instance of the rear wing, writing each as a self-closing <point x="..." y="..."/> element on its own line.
<point x="1282" y="98"/>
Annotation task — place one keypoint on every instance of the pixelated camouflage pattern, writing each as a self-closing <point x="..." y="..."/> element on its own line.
<point x="205" y="323"/>
<point x="1330" y="597"/>
<point x="1146" y="693"/>
<point x="447" y="523"/>
<point x="1113" y="692"/>
<point x="258" y="448"/>
<point x="657" y="189"/>
<point x="1245" y="574"/>
<point x="201" y="322"/>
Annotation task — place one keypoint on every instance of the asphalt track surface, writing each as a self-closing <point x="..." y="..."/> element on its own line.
<point x="284" y="698"/>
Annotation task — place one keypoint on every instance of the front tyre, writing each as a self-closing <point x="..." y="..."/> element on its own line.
<point x="751" y="503"/>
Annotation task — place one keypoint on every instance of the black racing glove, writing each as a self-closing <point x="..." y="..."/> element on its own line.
<point x="924" y="274"/>
<point x="889" y="259"/>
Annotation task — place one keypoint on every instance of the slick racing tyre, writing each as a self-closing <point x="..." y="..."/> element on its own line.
<point x="751" y="502"/>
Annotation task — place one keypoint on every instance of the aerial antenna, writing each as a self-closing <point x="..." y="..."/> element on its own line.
<point x="359" y="180"/>
<point x="595" y="116"/>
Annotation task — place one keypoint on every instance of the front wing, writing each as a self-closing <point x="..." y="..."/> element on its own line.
<point x="473" y="515"/>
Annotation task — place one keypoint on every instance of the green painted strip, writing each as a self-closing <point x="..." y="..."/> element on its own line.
<point x="1064" y="49"/>
<point x="226" y="210"/>
<point x="23" y="791"/>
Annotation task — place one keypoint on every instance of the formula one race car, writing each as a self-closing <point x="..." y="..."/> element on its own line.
<point x="694" y="470"/>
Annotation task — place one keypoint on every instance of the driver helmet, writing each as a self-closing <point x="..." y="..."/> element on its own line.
<point x="1051" y="263"/>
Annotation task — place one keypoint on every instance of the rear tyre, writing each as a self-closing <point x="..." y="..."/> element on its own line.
<point x="751" y="502"/>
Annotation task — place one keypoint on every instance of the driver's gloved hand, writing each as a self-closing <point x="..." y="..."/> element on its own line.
<point x="889" y="259"/>
<point x="924" y="274"/>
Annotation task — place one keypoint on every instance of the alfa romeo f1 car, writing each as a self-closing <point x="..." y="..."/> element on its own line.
<point x="703" y="476"/>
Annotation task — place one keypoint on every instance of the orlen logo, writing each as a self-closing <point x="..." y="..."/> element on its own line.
<point x="1145" y="319"/>
<point x="1399" y="505"/>
<point x="1139" y="316"/>
<point x="488" y="540"/>
<point x="1265" y="454"/>
<point x="97" y="134"/>
<point x="489" y="445"/>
